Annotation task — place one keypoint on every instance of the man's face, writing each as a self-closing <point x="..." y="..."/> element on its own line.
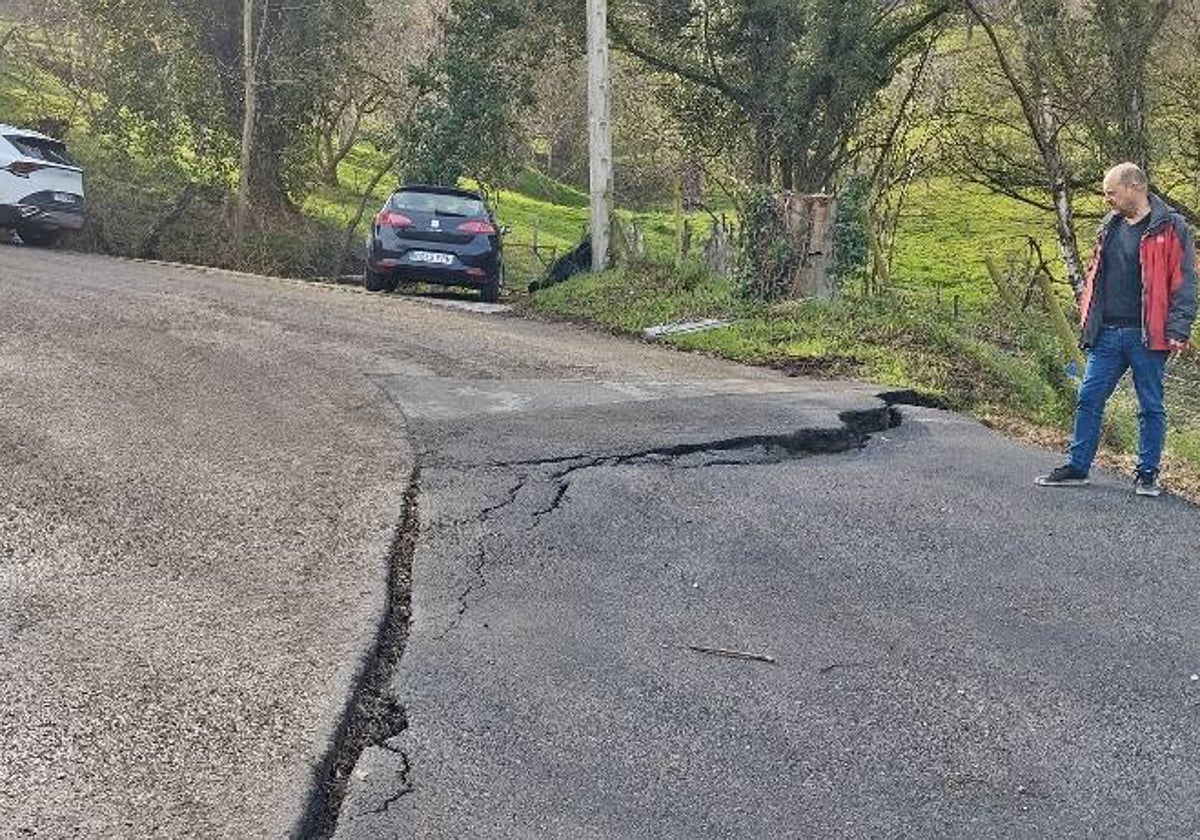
<point x="1125" y="199"/>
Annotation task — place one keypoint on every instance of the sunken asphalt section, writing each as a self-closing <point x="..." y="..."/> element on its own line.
<point x="676" y="617"/>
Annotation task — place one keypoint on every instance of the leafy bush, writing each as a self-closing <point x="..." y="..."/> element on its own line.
<point x="171" y="221"/>
<point x="850" y="248"/>
<point x="768" y="257"/>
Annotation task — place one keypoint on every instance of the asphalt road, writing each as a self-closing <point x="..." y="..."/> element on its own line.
<point x="929" y="645"/>
<point x="203" y="480"/>
<point x="203" y="502"/>
<point x="199" y="489"/>
<point x="955" y="652"/>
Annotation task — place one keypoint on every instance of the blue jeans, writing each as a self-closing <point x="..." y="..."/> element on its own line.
<point x="1116" y="350"/>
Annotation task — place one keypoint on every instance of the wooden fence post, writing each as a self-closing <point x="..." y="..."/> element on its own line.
<point x="880" y="276"/>
<point x="1006" y="292"/>
<point x="718" y="251"/>
<point x="1054" y="310"/>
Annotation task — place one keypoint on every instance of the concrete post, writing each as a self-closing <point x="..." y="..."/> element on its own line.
<point x="599" y="131"/>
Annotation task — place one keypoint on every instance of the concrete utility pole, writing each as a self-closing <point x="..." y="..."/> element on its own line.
<point x="599" y="131"/>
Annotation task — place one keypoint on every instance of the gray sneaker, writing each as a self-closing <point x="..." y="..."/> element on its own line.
<point x="1146" y="484"/>
<point x="1064" y="476"/>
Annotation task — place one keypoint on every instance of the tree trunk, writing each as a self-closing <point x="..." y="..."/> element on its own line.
<point x="266" y="166"/>
<point x="1129" y="30"/>
<point x="1064" y="227"/>
<point x="691" y="184"/>
<point x="808" y="221"/>
<point x="339" y="140"/>
<point x="1134" y="136"/>
<point x="1060" y="191"/>
<point x="1040" y="117"/>
<point x="762" y="152"/>
<point x="260" y="181"/>
<point x="329" y="163"/>
<point x="786" y="170"/>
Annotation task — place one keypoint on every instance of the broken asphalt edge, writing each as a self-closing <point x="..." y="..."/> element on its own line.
<point x="371" y="714"/>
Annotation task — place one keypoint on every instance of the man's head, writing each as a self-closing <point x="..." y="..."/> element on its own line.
<point x="1126" y="190"/>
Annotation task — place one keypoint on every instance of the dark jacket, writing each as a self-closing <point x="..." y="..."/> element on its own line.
<point x="1168" y="279"/>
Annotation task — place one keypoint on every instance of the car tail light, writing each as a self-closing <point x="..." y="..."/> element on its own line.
<point x="476" y="227"/>
<point x="24" y="168"/>
<point x="476" y="272"/>
<point x="393" y="220"/>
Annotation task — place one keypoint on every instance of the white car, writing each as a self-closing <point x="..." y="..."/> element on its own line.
<point x="41" y="187"/>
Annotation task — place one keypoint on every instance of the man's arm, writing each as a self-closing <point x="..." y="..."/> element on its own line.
<point x="1182" y="311"/>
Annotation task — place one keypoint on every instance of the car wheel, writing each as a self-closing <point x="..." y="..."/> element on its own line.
<point x="38" y="236"/>
<point x="376" y="282"/>
<point x="490" y="291"/>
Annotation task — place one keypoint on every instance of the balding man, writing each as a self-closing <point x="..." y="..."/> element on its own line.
<point x="1137" y="306"/>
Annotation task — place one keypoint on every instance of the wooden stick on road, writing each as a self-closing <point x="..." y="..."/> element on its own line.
<point x="733" y="654"/>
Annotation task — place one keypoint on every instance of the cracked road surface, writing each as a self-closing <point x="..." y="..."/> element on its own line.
<point x="956" y="653"/>
<point x="203" y="475"/>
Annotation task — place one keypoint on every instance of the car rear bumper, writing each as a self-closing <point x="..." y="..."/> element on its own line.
<point x="465" y="270"/>
<point x="440" y="276"/>
<point x="50" y="218"/>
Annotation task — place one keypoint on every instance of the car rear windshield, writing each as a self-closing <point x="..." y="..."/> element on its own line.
<point x="438" y="203"/>
<point x="50" y="151"/>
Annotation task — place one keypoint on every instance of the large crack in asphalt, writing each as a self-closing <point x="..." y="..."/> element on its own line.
<point x="372" y="714"/>
<point x="406" y="785"/>
<point x="743" y="450"/>
<point x="478" y="578"/>
<point x="857" y="427"/>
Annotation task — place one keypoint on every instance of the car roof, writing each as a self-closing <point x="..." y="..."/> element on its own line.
<point x="25" y="132"/>
<point x="439" y="190"/>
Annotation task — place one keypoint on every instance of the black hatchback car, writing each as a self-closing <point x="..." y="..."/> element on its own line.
<point x="437" y="235"/>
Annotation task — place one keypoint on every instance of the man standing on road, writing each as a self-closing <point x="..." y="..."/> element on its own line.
<point x="1137" y="305"/>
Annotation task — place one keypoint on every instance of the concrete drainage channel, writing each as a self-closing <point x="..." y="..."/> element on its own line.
<point x="373" y="715"/>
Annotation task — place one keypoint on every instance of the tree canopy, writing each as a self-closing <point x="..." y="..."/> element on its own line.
<point x="794" y="76"/>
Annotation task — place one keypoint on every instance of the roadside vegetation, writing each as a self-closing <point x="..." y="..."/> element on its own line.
<point x="940" y="330"/>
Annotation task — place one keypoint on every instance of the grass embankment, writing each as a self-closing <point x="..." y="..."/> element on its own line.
<point x="1004" y="367"/>
<point x="877" y="340"/>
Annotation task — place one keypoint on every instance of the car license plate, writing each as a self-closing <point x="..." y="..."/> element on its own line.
<point x="64" y="198"/>
<point x="431" y="257"/>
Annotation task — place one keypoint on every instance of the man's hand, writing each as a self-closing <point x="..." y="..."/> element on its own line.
<point x="1176" y="348"/>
